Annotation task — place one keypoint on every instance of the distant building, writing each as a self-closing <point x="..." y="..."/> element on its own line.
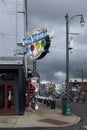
<point x="47" y="89"/>
<point x="80" y="86"/>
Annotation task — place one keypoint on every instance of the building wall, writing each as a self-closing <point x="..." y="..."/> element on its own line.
<point x="12" y="25"/>
<point x="19" y="85"/>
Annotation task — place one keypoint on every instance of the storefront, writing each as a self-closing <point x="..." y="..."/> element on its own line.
<point x="12" y="89"/>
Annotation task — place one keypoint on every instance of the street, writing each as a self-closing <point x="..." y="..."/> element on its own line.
<point x="79" y="109"/>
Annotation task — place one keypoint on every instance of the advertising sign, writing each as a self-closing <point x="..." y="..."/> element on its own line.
<point x="37" y="43"/>
<point x="36" y="49"/>
<point x="34" y="81"/>
<point x="36" y="35"/>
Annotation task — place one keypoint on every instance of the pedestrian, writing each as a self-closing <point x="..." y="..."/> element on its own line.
<point x="33" y="102"/>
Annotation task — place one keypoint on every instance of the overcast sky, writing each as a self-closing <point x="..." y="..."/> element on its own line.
<point x="51" y="15"/>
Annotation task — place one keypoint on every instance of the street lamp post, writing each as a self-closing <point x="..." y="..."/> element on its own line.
<point x="68" y="111"/>
<point x="82" y="75"/>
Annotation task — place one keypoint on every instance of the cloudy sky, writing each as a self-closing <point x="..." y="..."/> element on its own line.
<point x="51" y="15"/>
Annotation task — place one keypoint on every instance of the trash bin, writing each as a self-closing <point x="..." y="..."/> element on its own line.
<point x="45" y="101"/>
<point x="40" y="100"/>
<point x="64" y="101"/>
<point x="83" y="100"/>
<point x="48" y="103"/>
<point x="63" y="107"/>
<point x="52" y="106"/>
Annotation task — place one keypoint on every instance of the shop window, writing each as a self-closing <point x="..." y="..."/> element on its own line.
<point x="7" y="76"/>
<point x="10" y="96"/>
<point x="2" y="96"/>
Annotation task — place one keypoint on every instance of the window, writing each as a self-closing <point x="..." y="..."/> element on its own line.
<point x="7" y="76"/>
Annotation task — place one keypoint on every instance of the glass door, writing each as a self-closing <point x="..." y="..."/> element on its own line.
<point x="6" y="97"/>
<point x="2" y="96"/>
<point x="10" y="101"/>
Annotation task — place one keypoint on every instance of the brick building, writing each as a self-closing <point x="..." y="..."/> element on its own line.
<point x="81" y="85"/>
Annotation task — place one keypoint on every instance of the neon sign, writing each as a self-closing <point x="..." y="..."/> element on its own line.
<point x="36" y="49"/>
<point x="39" y="36"/>
<point x="37" y="43"/>
<point x="35" y="36"/>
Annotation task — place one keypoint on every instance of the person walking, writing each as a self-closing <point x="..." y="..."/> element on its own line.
<point x="33" y="102"/>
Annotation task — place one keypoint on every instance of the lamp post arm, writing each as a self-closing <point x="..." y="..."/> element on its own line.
<point x="82" y="76"/>
<point x="79" y="15"/>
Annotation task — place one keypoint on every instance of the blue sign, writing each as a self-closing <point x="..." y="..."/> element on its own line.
<point x="26" y="41"/>
<point x="39" y="36"/>
<point x="27" y="49"/>
<point x="34" y="38"/>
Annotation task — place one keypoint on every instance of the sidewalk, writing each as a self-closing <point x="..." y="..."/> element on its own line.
<point x="43" y="117"/>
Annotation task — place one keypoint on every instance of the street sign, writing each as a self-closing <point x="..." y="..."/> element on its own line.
<point x="35" y="84"/>
<point x="34" y="81"/>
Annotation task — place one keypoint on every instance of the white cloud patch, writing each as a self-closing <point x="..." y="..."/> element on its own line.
<point x="60" y="75"/>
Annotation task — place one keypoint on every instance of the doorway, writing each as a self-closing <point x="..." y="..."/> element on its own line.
<point x="6" y="98"/>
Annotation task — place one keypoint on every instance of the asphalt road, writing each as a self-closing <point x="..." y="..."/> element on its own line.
<point x="79" y="109"/>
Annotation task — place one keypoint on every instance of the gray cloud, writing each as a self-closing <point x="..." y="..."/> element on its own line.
<point x="51" y="14"/>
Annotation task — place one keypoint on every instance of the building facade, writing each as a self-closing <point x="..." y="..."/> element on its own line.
<point x="13" y="24"/>
<point x="12" y="86"/>
<point x="79" y="86"/>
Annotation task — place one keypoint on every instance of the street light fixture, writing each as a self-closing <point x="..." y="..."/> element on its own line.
<point x="68" y="110"/>
<point x="82" y="22"/>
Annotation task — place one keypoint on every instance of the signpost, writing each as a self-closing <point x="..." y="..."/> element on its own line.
<point x="36" y="45"/>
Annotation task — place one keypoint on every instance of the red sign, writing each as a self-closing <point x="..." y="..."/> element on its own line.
<point x="31" y="86"/>
<point x="35" y="84"/>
